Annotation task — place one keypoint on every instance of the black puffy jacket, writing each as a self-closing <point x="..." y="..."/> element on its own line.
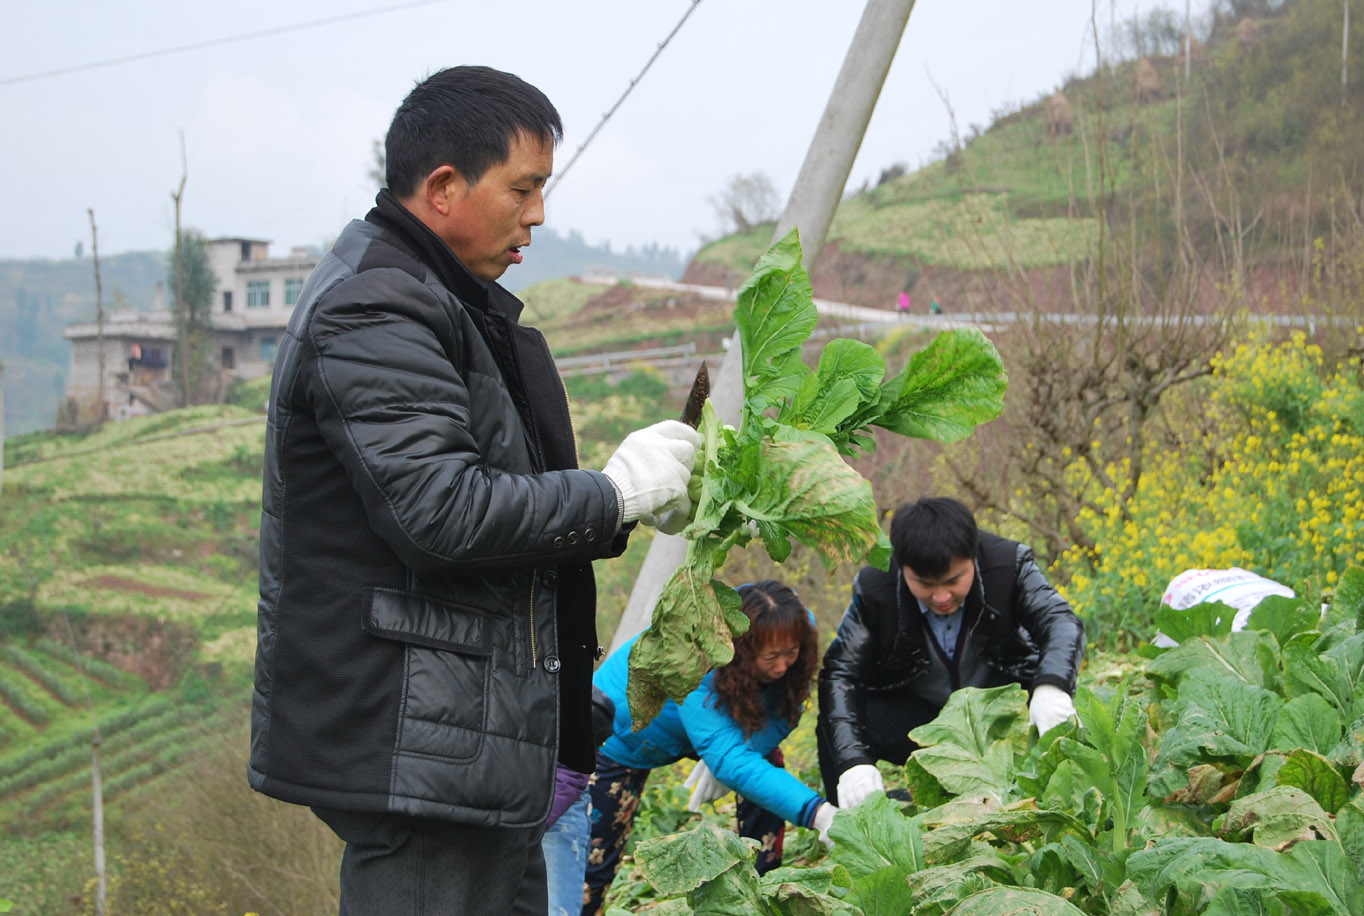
<point x="426" y="592"/>
<point x="1016" y="629"/>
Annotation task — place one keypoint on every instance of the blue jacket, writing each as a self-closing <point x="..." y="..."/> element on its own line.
<point x="698" y="728"/>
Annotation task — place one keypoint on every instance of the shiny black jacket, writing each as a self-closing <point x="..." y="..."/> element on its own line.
<point x="1016" y="629"/>
<point x="426" y="595"/>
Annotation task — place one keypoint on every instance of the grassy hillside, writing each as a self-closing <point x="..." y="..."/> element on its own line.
<point x="1262" y="138"/>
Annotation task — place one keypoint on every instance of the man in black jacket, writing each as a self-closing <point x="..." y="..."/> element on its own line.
<point x="427" y="609"/>
<point x="959" y="608"/>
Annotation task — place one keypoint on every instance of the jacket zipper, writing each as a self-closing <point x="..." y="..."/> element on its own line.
<point x="534" y="581"/>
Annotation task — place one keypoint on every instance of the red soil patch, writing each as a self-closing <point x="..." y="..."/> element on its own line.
<point x="142" y="588"/>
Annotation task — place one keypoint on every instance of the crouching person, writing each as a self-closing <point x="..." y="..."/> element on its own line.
<point x="734" y="723"/>
<point x="959" y="608"/>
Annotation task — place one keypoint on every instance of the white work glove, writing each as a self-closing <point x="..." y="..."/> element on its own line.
<point x="651" y="469"/>
<point x="824" y="819"/>
<point x="1049" y="707"/>
<point x="857" y="782"/>
<point x="704" y="786"/>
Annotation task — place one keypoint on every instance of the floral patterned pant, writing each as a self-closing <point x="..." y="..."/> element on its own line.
<point x="615" y="791"/>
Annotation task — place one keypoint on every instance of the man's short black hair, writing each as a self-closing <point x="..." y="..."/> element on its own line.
<point x="465" y="117"/>
<point x="929" y="534"/>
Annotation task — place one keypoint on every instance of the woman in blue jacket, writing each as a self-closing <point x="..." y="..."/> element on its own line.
<point x="733" y="723"/>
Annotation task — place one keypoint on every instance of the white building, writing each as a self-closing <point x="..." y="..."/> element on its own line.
<point x="252" y="302"/>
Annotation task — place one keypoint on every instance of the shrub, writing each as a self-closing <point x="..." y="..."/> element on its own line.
<point x="1274" y="485"/>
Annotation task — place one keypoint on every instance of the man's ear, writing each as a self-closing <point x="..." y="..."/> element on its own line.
<point x="437" y="187"/>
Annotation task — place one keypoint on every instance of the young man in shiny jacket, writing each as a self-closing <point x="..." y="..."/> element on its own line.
<point x="958" y="608"/>
<point x="427" y="609"/>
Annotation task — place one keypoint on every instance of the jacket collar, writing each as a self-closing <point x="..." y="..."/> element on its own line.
<point x="434" y="253"/>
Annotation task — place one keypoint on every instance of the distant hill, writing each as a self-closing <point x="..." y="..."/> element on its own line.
<point x="1263" y="133"/>
<point x="38" y="298"/>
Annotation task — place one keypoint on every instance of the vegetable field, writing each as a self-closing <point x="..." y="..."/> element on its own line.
<point x="1222" y="777"/>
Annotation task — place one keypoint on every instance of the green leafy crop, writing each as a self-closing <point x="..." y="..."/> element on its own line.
<point x="780" y="476"/>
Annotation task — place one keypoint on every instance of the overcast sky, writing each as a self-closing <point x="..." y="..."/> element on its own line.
<point x="279" y="129"/>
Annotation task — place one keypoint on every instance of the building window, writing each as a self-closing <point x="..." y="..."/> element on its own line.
<point x="227" y="300"/>
<point x="267" y="349"/>
<point x="292" y="287"/>
<point x="229" y="358"/>
<point x="258" y="294"/>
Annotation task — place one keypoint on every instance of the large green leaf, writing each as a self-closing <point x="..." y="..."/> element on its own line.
<point x="1247" y="655"/>
<point x="958" y="771"/>
<point x="951" y="841"/>
<point x="969" y="749"/>
<point x="812" y="493"/>
<point x="936" y="890"/>
<point x="884" y="892"/>
<point x="1207" y="618"/>
<point x="775" y="314"/>
<point x="954" y="384"/>
<point x="1015" y="901"/>
<point x="1337" y="674"/>
<point x="682" y="862"/>
<point x="1219" y="718"/>
<point x="733" y="892"/>
<point x="846" y="383"/>
<point x="1310" y="877"/>
<point x="692" y="631"/>
<point x="875" y="835"/>
<point x="1115" y="760"/>
<point x="1284" y="617"/>
<point x="1277" y="818"/>
<point x="1308" y="721"/>
<point x="1350" y="751"/>
<point x="821" y="878"/>
<point x="1240" y="901"/>
<point x="795" y="899"/>
<point x="1350" y="827"/>
<point x="974" y="718"/>
<point x="1315" y="775"/>
<point x="1349" y="600"/>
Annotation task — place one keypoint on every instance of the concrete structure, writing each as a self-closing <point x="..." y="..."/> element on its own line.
<point x="252" y="302"/>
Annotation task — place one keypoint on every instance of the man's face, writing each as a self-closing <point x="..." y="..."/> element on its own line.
<point x="489" y="223"/>
<point x="944" y="594"/>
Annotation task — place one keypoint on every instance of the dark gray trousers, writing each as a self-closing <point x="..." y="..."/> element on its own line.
<point x="396" y="865"/>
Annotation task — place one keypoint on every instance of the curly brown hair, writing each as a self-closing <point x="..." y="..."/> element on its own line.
<point x="776" y="617"/>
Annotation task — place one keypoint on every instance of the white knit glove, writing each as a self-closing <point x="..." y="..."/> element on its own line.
<point x="704" y="786"/>
<point x="857" y="782"/>
<point x="651" y="469"/>
<point x="1049" y="707"/>
<point x="824" y="819"/>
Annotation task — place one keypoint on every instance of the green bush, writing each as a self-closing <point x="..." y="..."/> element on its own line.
<point x="19" y="618"/>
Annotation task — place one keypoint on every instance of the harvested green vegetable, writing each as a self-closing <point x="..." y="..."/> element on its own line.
<point x="781" y="475"/>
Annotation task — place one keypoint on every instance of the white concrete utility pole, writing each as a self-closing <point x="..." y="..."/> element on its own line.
<point x="811" y="206"/>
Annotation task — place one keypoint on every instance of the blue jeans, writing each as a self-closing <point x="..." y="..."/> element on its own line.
<point x="565" y="848"/>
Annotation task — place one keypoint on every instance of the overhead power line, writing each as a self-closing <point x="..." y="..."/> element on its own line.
<point x="634" y="82"/>
<point x="215" y="42"/>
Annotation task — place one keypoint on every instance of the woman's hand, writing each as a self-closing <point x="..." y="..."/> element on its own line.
<point x="704" y="786"/>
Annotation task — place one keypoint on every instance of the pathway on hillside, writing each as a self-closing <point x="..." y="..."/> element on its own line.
<point x="855" y="313"/>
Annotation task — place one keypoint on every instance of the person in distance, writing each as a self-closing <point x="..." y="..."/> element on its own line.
<point x="959" y="608"/>
<point x="733" y="723"/>
<point x="426" y="627"/>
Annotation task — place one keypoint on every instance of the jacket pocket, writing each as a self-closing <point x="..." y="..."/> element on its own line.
<point x="446" y="671"/>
